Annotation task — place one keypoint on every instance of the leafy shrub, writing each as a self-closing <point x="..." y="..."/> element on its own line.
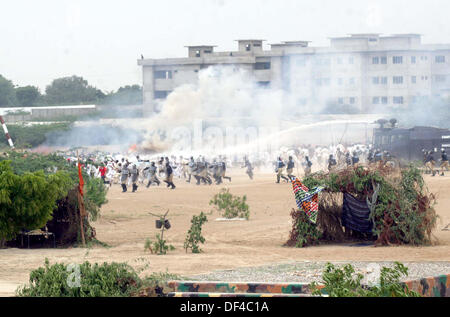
<point x="158" y="246"/>
<point x="194" y="235"/>
<point x="231" y="206"/>
<point x="303" y="233"/>
<point x="60" y="280"/>
<point x="94" y="190"/>
<point x="27" y="201"/>
<point x="343" y="282"/>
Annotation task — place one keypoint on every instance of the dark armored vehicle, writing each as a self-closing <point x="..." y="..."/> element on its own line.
<point x="407" y="144"/>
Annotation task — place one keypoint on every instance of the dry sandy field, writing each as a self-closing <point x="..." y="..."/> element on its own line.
<point x="125" y="224"/>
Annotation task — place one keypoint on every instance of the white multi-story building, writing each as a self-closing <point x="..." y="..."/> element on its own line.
<point x="364" y="71"/>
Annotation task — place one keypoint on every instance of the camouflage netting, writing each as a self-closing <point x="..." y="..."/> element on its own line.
<point x="403" y="213"/>
<point x="66" y="221"/>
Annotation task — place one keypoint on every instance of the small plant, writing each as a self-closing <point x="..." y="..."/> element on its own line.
<point x="231" y="206"/>
<point x="194" y="235"/>
<point x="159" y="246"/>
<point x="344" y="282"/>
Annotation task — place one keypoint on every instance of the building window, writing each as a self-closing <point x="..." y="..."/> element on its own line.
<point x="424" y="58"/>
<point x="440" y="78"/>
<point x="398" y="100"/>
<point x="197" y="53"/>
<point x="161" y="94"/>
<point x="341" y="101"/>
<point x="257" y="45"/>
<point x="264" y="84"/>
<point x="413" y="59"/>
<point x="397" y="80"/>
<point x="352" y="81"/>
<point x="375" y="100"/>
<point x="262" y="65"/>
<point x="351" y="60"/>
<point x="397" y="59"/>
<point x="375" y="80"/>
<point x="413" y="79"/>
<point x="383" y="80"/>
<point x="248" y="47"/>
<point x="440" y="59"/>
<point x="384" y="100"/>
<point x="207" y="51"/>
<point x="375" y="60"/>
<point x="340" y="81"/>
<point x="339" y="60"/>
<point x="352" y="100"/>
<point x="383" y="60"/>
<point x="163" y="74"/>
<point x="326" y="81"/>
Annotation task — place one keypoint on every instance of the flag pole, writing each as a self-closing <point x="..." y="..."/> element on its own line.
<point x="80" y="201"/>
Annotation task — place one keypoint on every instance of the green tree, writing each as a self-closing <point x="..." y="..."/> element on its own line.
<point x="72" y="90"/>
<point x="27" y="201"/>
<point x="28" y="96"/>
<point x="7" y="93"/>
<point x="127" y="95"/>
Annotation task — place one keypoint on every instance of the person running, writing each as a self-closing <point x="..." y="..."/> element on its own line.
<point x="103" y="169"/>
<point x="331" y="163"/>
<point x="279" y="170"/>
<point x="124" y="173"/>
<point x="151" y="175"/>
<point x="134" y="175"/>
<point x="169" y="176"/>
<point x="249" y="167"/>
<point x="355" y="159"/>
<point x="444" y="161"/>
<point x="429" y="164"/>
<point x="223" y="169"/>
<point x="307" y="166"/>
<point x="290" y="167"/>
<point x="191" y="166"/>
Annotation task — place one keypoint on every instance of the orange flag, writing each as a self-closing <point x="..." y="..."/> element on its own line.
<point x="80" y="176"/>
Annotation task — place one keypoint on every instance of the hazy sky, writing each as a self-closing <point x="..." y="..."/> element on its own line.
<point x="101" y="40"/>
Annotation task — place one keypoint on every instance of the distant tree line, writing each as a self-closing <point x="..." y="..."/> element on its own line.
<point x="72" y="90"/>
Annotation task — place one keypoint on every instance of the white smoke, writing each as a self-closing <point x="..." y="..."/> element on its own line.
<point x="226" y="100"/>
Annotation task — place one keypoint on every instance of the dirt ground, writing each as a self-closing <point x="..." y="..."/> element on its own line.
<point x="125" y="224"/>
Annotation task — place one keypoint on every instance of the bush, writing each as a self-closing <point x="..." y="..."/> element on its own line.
<point x="231" y="206"/>
<point x="303" y="233"/>
<point x="194" y="235"/>
<point x="34" y="171"/>
<point x="60" y="280"/>
<point x="343" y="282"/>
<point x="27" y="201"/>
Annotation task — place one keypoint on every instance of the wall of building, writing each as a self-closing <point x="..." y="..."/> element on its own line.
<point x="343" y="73"/>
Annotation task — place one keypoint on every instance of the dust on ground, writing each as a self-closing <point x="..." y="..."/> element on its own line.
<point x="125" y="224"/>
